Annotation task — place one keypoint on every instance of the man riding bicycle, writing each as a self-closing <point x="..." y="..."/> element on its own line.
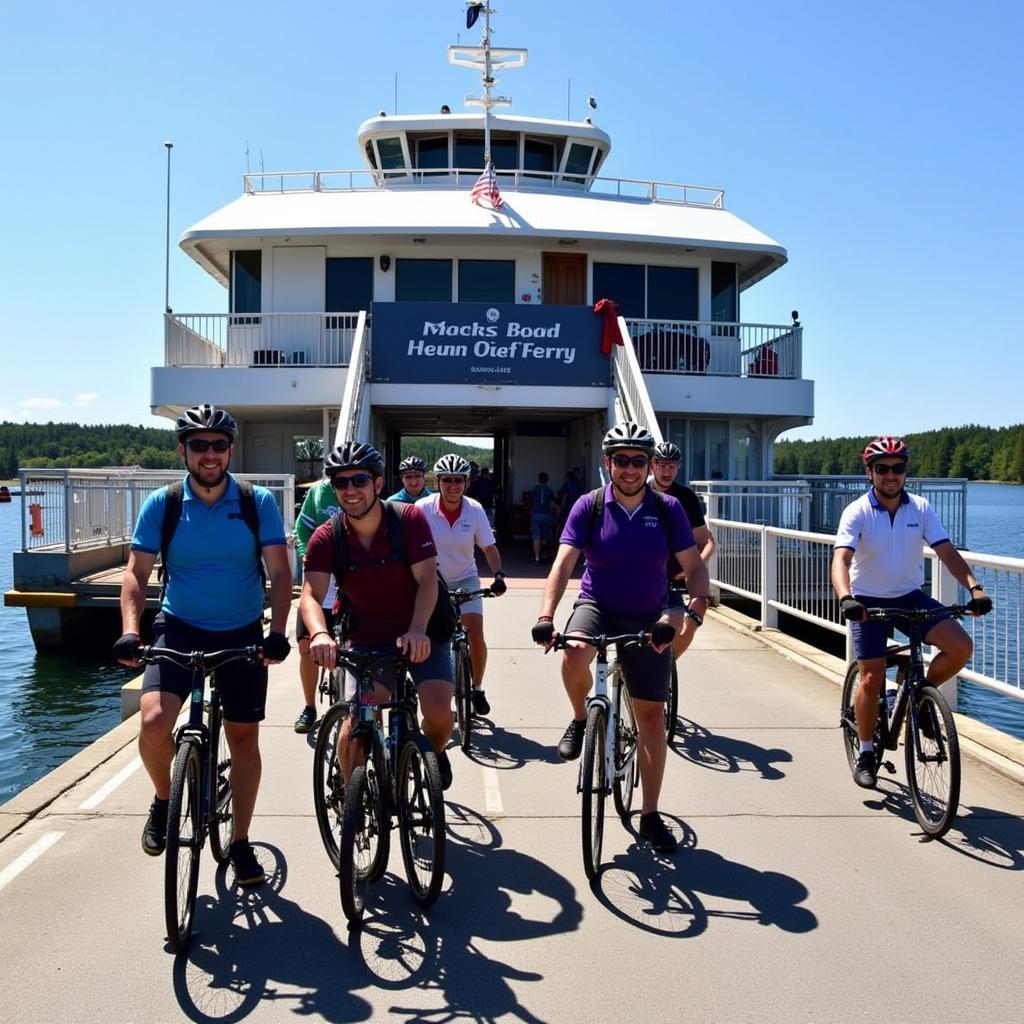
<point x="879" y="563"/>
<point x="412" y="471"/>
<point x="625" y="590"/>
<point x="389" y="597"/>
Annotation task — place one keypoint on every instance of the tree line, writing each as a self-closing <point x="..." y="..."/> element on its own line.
<point x="974" y="452"/>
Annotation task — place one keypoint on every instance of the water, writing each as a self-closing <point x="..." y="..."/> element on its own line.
<point x="55" y="704"/>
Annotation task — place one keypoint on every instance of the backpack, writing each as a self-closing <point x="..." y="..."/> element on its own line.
<point x="597" y="510"/>
<point x="172" y="516"/>
<point x="442" y="622"/>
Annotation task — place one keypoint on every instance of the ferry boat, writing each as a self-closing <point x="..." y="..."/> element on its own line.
<point x="449" y="287"/>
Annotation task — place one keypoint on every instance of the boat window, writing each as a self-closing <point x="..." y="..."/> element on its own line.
<point x="432" y="152"/>
<point x="505" y="152"/>
<point x="391" y="154"/>
<point x="469" y="151"/>
<point x="672" y="293"/>
<point x="539" y="156"/>
<point x="723" y="296"/>
<point x="349" y="286"/>
<point x="487" y="280"/>
<point x="371" y="156"/>
<point x="423" y="280"/>
<point x="624" y="284"/>
<point x="577" y="162"/>
<point x="246" y="284"/>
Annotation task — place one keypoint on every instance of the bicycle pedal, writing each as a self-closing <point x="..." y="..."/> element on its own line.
<point x="889" y="767"/>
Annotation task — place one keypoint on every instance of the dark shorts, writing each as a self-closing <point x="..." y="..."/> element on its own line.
<point x="647" y="674"/>
<point x="870" y="639"/>
<point x="437" y="666"/>
<point x="301" y="631"/>
<point x="243" y="687"/>
<point x="542" y="525"/>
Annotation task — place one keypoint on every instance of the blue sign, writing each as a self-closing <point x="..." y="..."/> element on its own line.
<point x="478" y="343"/>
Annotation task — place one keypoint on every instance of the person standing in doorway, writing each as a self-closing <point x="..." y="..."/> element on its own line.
<point x="542" y="516"/>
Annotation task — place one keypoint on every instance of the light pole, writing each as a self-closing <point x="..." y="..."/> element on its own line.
<point x="167" y="234"/>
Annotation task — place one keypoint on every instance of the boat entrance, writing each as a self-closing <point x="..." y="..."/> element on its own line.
<point x="565" y="278"/>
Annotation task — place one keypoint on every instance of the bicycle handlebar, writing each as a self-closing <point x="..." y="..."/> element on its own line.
<point x="202" y="661"/>
<point x="951" y="611"/>
<point x="360" y="662"/>
<point x="562" y="640"/>
<point x="461" y="597"/>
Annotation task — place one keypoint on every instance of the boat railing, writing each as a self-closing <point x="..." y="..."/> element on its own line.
<point x="716" y="348"/>
<point x="518" y="180"/>
<point x="631" y="400"/>
<point x="65" y="510"/>
<point x="787" y="571"/>
<point x="259" y="339"/>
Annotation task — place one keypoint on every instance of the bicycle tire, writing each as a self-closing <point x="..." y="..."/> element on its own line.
<point x="848" y="720"/>
<point x="464" y="696"/>
<point x="625" y="751"/>
<point x="362" y="827"/>
<point x="328" y="781"/>
<point x="184" y="840"/>
<point x="382" y="780"/>
<point x="222" y="815"/>
<point x="421" y="818"/>
<point x="592" y="790"/>
<point x="934" y="774"/>
<point x="672" y="705"/>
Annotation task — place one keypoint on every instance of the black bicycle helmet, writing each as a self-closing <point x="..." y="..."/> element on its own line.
<point x="667" y="452"/>
<point x="354" y="455"/>
<point x="412" y="463"/>
<point x="628" y="435"/>
<point x="451" y="465"/>
<point x="201" y="418"/>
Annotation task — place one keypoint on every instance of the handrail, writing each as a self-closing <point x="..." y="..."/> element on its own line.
<point x="631" y="398"/>
<point x="355" y="385"/>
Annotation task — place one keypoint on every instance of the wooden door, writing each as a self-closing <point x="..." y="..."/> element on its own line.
<point x="565" y="278"/>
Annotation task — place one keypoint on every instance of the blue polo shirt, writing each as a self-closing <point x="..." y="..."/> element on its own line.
<point x="213" y="580"/>
<point x="627" y="552"/>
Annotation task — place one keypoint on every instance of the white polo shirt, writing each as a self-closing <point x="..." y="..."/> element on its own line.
<point x="888" y="550"/>
<point x="455" y="543"/>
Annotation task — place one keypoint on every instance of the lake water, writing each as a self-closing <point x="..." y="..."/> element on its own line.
<point x="53" y="705"/>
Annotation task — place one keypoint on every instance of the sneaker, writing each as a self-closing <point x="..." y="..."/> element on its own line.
<point x="445" y="767"/>
<point x="306" y="719"/>
<point x="481" y="705"/>
<point x="926" y="721"/>
<point x="657" y="833"/>
<point x="154" y="834"/>
<point x="864" y="773"/>
<point x="247" y="867"/>
<point x="571" y="744"/>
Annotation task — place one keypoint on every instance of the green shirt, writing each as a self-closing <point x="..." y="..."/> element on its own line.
<point x="319" y="505"/>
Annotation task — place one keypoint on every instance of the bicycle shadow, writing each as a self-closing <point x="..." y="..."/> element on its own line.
<point x="994" y="838"/>
<point x="666" y="895"/>
<point x="697" y="744"/>
<point x="499" y="748"/>
<point x="255" y="946"/>
<point x="496" y="895"/>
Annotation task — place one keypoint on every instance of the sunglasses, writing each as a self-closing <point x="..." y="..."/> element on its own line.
<point x="340" y="483"/>
<point x="198" y="445"/>
<point x="636" y="461"/>
<point x="897" y="468"/>
<point x="451" y="479"/>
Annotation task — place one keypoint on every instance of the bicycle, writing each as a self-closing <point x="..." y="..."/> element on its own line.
<point x="200" y="803"/>
<point x="397" y="776"/>
<point x="608" y="761"/>
<point x="464" y="666"/>
<point x="931" y="744"/>
<point x="328" y="784"/>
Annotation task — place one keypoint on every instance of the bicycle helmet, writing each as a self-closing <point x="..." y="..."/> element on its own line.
<point x="354" y="455"/>
<point x="628" y="435"/>
<point x="451" y="465"/>
<point x="412" y="463"/>
<point x="885" y="447"/>
<point x="205" y="417"/>
<point x="667" y="452"/>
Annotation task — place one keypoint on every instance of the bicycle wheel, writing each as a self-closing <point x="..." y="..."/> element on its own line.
<point x="363" y="833"/>
<point x="328" y="782"/>
<point x="934" y="772"/>
<point x="222" y="815"/>
<point x="184" y="838"/>
<point x="672" y="705"/>
<point x="592" y="790"/>
<point x="626" y="768"/>
<point x="421" y="818"/>
<point x="464" y="696"/>
<point x="848" y="720"/>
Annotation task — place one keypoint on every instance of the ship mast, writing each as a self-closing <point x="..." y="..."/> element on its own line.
<point x="490" y="62"/>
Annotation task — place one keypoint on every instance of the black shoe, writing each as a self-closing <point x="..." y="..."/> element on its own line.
<point x="864" y="773"/>
<point x="154" y="834"/>
<point x="247" y="867"/>
<point x="306" y="719"/>
<point x="572" y="740"/>
<point x="481" y="705"/>
<point x="445" y="767"/>
<point x="657" y="833"/>
<point x="926" y="721"/>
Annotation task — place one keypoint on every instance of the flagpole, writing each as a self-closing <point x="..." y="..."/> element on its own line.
<point x="488" y="82"/>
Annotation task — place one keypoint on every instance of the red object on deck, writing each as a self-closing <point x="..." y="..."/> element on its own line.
<point x="35" y="519"/>
<point x="610" y="335"/>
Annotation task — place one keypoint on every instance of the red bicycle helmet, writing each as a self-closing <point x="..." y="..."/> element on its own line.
<point x="885" y="447"/>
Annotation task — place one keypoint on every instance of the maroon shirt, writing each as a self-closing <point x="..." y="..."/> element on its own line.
<point x="381" y="596"/>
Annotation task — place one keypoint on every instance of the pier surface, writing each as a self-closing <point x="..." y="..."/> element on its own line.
<point x="794" y="896"/>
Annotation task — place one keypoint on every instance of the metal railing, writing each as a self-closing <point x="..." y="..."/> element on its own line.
<point x="631" y="398"/>
<point x="74" y="509"/>
<point x="712" y="348"/>
<point x="350" y="416"/>
<point x="259" y="339"/>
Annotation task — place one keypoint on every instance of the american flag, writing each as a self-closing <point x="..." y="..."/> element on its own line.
<point x="486" y="187"/>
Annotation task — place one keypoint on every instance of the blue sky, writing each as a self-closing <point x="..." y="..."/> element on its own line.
<point x="881" y="145"/>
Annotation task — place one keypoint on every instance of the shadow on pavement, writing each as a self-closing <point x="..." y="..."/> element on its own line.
<point x="496" y="747"/>
<point x="694" y="743"/>
<point x="993" y="837"/>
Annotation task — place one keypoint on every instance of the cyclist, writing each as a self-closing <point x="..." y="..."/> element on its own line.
<point x="624" y="590"/>
<point x="318" y="506"/>
<point x="389" y="599"/>
<point x="412" y="471"/>
<point x="664" y="467"/>
<point x="213" y="600"/>
<point x="459" y="525"/>
<point x="879" y="563"/>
